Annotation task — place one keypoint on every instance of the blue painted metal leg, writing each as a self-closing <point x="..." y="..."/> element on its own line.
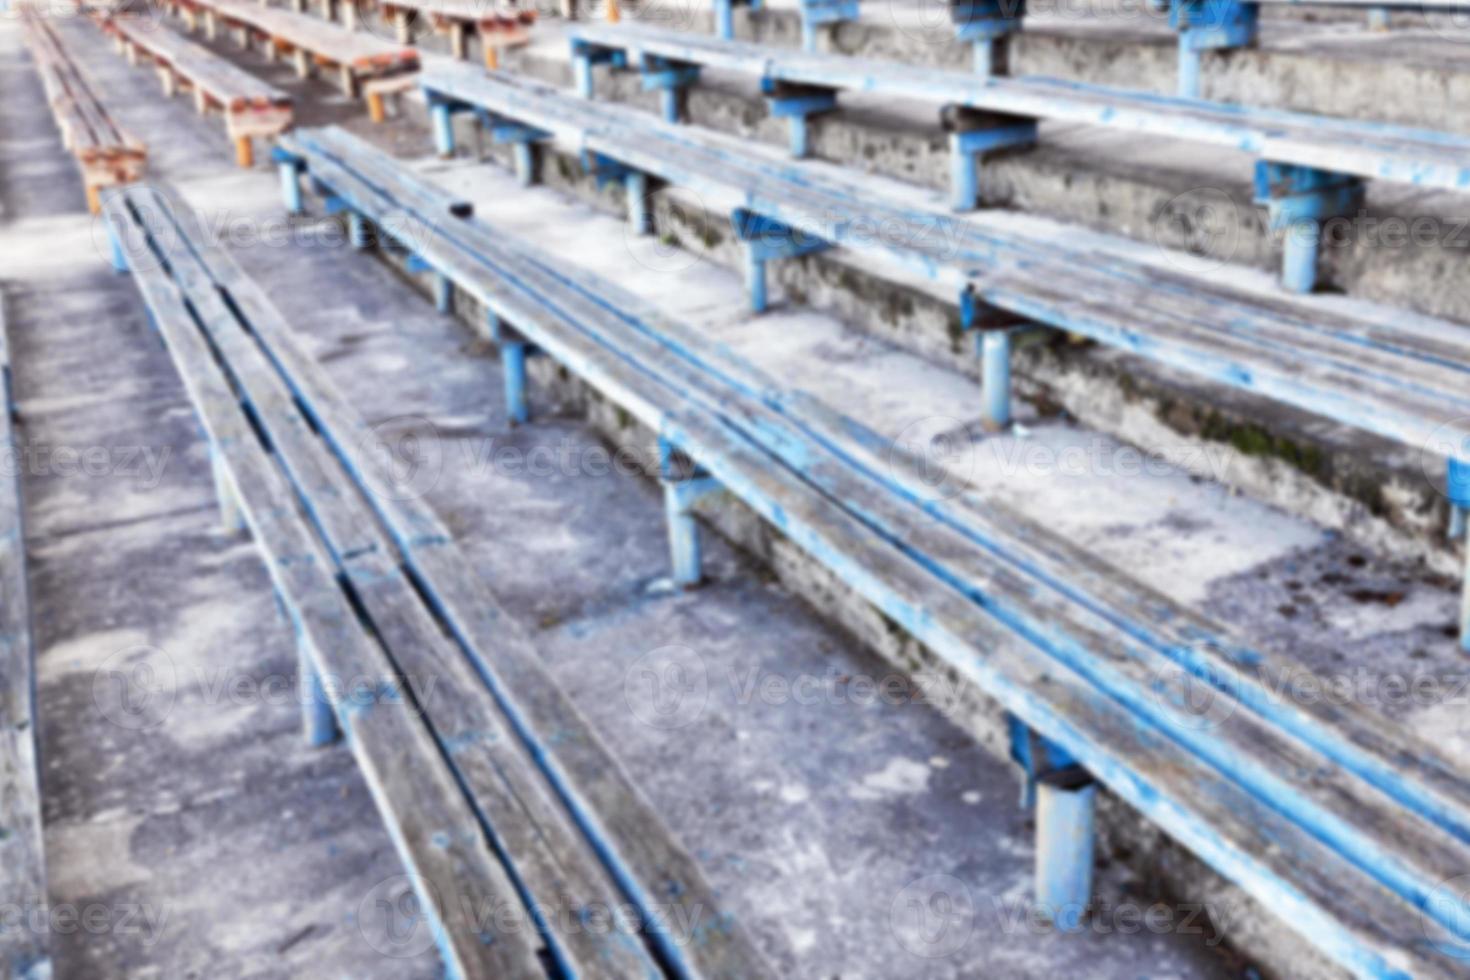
<point x="799" y="137"/>
<point x="755" y="278"/>
<point x="971" y="136"/>
<point x="684" y="486"/>
<point x="443" y="129"/>
<point x="1064" y="836"/>
<point x="1458" y="487"/>
<point x="798" y="103"/>
<point x="725" y="19"/>
<point x="1189" y="64"/>
<point x="513" y="363"/>
<point x="525" y="165"/>
<point x="808" y="35"/>
<point x="290" y="187"/>
<point x="635" y="187"/>
<point x="357" y="230"/>
<point x="115" y="248"/>
<point x="668" y="100"/>
<point x="1377" y="18"/>
<point x="985" y="56"/>
<point x="964" y="175"/>
<point x="1298" y="200"/>
<point x="995" y="375"/>
<point x="684" y="551"/>
<point x="582" y="67"/>
<point x="318" y="721"/>
<point x="493" y="326"/>
<point x="443" y="293"/>
<point x="1299" y="257"/>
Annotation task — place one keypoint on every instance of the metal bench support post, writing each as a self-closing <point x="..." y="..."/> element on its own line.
<point x="1298" y="200"/>
<point x="995" y="372"/>
<point x="443" y="128"/>
<point x="1064" y="796"/>
<point x="585" y="55"/>
<point x="669" y="79"/>
<point x="973" y="133"/>
<point x="797" y="103"/>
<point x="1205" y="25"/>
<point x="318" y="721"/>
<point x="1378" y="18"/>
<point x="289" y="168"/>
<point x="443" y="293"/>
<point x="513" y="363"/>
<point x="635" y="187"/>
<point x="1457" y="487"/>
<point x="357" y="233"/>
<point x="815" y="13"/>
<point x="988" y="25"/>
<point x="1065" y="804"/>
<point x="765" y="239"/>
<point x="725" y="19"/>
<point x="684" y="485"/>
<point x="521" y="137"/>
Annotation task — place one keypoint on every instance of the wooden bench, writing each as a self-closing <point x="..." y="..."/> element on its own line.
<point x="24" y="946"/>
<point x="497" y="27"/>
<point x="1331" y="816"/>
<point x="1403" y="378"/>
<point x="366" y="66"/>
<point x="252" y="108"/>
<point x="1310" y="169"/>
<point x="523" y="833"/>
<point x="105" y="152"/>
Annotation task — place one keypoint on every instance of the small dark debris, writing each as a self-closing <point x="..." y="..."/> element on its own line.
<point x="1387" y="598"/>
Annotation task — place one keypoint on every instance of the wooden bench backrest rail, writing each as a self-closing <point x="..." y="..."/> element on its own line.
<point x="24" y="949"/>
<point x="539" y="842"/>
<point x="588" y="326"/>
<point x="1402" y="379"/>
<point x="1424" y="158"/>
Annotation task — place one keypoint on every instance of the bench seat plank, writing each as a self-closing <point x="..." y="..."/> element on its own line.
<point x="551" y="861"/>
<point x="24" y="951"/>
<point x="436" y="833"/>
<point x="363" y="53"/>
<point x="226" y="84"/>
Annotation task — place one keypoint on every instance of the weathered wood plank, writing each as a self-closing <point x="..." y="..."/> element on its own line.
<point x="555" y="867"/>
<point x="24" y="948"/>
<point x="361" y="52"/>
<point x="228" y="85"/>
<point x="456" y="875"/>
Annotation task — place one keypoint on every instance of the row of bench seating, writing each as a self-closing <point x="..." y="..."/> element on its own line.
<point x="1310" y="168"/>
<point x="1330" y="815"/>
<point x="251" y="108"/>
<point x="524" y="836"/>
<point x="1396" y="374"/>
<point x="1201" y="25"/>
<point x="106" y="154"/>
<point x="495" y="25"/>
<point x="24" y="950"/>
<point x="365" y="65"/>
